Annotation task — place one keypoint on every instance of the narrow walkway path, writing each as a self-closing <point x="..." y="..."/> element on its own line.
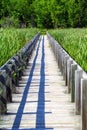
<point x="43" y="102"/>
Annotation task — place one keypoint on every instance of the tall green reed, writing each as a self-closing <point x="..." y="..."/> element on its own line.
<point x="12" y="40"/>
<point x="74" y="41"/>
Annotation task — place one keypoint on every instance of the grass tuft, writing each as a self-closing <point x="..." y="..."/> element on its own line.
<point x="74" y="41"/>
<point x="12" y="40"/>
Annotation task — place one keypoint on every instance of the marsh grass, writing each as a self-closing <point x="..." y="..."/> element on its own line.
<point x="12" y="40"/>
<point x="74" y="41"/>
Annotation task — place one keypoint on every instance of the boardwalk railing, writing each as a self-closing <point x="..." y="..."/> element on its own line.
<point x="11" y="72"/>
<point x="75" y="79"/>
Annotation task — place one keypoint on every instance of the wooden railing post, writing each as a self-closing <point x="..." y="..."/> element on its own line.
<point x="62" y="65"/>
<point x="3" y="92"/>
<point x="8" y="80"/>
<point x="72" y="81"/>
<point x="66" y="57"/>
<point x="78" y="76"/>
<point x="61" y="60"/>
<point x="69" y="62"/>
<point x="84" y="103"/>
<point x="57" y="53"/>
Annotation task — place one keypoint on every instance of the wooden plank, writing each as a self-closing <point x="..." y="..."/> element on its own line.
<point x="48" y="104"/>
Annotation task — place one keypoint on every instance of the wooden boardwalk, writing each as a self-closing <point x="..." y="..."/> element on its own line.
<point x="43" y="102"/>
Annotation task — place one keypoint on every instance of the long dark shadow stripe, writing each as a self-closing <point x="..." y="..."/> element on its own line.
<point x="40" y="117"/>
<point x="18" y="117"/>
<point x="30" y="129"/>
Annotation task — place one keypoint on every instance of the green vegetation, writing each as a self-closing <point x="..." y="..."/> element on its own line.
<point x="11" y="40"/>
<point x="43" y="13"/>
<point x="74" y="41"/>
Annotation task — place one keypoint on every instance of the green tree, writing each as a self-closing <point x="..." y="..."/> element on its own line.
<point x="43" y="16"/>
<point x="43" y="13"/>
<point x="83" y="12"/>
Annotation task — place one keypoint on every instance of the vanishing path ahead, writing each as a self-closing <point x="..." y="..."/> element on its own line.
<point x="43" y="102"/>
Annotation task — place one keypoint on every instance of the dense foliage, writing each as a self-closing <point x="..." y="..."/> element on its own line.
<point x="74" y="41"/>
<point x="43" y="13"/>
<point x="11" y="40"/>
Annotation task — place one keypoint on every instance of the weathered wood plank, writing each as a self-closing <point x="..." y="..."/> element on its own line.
<point x="47" y="104"/>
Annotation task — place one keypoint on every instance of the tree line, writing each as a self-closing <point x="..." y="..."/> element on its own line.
<point x="43" y="13"/>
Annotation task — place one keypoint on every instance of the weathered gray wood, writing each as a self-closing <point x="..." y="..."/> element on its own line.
<point x="62" y="67"/>
<point x="55" y="109"/>
<point x="55" y="48"/>
<point x="3" y="92"/>
<point x="8" y="81"/>
<point x="84" y="103"/>
<point x="69" y="62"/>
<point x="11" y="71"/>
<point x="61" y="59"/>
<point x="57" y="53"/>
<point x="59" y="56"/>
<point x="66" y="57"/>
<point x="78" y="76"/>
<point x="72" y="81"/>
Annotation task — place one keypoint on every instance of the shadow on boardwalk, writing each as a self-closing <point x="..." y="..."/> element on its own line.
<point x="40" y="114"/>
